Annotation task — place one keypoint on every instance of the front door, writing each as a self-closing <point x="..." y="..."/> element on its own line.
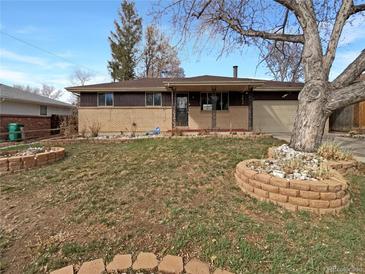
<point x="181" y="110"/>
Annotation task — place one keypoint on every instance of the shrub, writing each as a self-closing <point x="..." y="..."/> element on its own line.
<point x="94" y="129"/>
<point x="333" y="151"/>
<point x="177" y="132"/>
<point x="69" y="124"/>
<point x="203" y="132"/>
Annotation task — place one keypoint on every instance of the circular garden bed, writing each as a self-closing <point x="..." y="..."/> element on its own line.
<point x="296" y="180"/>
<point x="11" y="161"/>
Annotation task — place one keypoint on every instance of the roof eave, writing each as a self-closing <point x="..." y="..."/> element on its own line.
<point x="212" y="83"/>
<point x="268" y="88"/>
<point x="103" y="89"/>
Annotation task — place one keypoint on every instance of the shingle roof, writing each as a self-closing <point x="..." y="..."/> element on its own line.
<point x="16" y="94"/>
<point x="160" y="82"/>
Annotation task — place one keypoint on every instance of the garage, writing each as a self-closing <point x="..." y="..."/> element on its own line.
<point x="274" y="115"/>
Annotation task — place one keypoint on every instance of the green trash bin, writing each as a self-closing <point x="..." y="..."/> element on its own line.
<point x="14" y="131"/>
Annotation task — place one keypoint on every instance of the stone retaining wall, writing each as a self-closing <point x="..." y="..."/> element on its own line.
<point x="145" y="262"/>
<point x="14" y="163"/>
<point x="326" y="196"/>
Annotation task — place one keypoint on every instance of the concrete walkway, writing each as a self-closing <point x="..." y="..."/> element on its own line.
<point x="355" y="145"/>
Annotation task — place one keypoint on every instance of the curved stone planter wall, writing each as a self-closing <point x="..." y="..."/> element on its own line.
<point x="327" y="196"/>
<point x="14" y="163"/>
<point x="145" y="262"/>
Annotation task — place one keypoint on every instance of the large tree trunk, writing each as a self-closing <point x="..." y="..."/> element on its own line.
<point x="311" y="117"/>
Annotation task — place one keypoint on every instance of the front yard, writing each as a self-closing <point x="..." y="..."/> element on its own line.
<point x="175" y="196"/>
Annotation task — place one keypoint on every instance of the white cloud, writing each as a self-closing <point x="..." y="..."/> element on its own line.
<point x="342" y="60"/>
<point x="353" y="31"/>
<point x="37" y="61"/>
<point x="10" y="55"/>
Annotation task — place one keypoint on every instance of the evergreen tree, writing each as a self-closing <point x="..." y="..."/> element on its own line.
<point x="124" y="42"/>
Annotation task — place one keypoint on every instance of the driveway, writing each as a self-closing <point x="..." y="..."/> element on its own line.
<point x="355" y="145"/>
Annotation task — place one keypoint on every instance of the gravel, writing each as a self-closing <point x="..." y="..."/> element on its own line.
<point x="291" y="164"/>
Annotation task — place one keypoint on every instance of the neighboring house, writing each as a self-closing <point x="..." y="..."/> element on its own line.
<point x="35" y="112"/>
<point x="349" y="118"/>
<point x="141" y="105"/>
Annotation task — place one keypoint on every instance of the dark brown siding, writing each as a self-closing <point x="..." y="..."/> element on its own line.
<point x="88" y="99"/>
<point x="166" y="98"/>
<point x="194" y="99"/>
<point x="129" y="99"/>
<point x="238" y="99"/>
<point x="281" y="95"/>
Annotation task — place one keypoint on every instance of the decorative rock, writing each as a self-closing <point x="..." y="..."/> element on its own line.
<point x="145" y="261"/>
<point x="196" y="266"/>
<point x="65" y="270"/>
<point x="120" y="263"/>
<point x="171" y="264"/>
<point x="278" y="173"/>
<point x="92" y="267"/>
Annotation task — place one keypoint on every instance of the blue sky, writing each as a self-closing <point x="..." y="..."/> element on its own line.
<point x="76" y="32"/>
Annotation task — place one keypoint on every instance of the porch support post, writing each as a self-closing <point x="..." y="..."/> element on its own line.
<point x="214" y="108"/>
<point x="250" y="109"/>
<point x="173" y="109"/>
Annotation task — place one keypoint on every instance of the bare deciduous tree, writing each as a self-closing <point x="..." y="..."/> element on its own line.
<point x="283" y="60"/>
<point x="46" y="90"/>
<point x="80" y="77"/>
<point x="159" y="58"/>
<point x="317" y="25"/>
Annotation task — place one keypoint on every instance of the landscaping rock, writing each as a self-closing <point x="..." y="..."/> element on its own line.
<point x="171" y="264"/>
<point x="120" y="263"/>
<point x="196" y="266"/>
<point x="92" y="267"/>
<point x="221" y="271"/>
<point x="145" y="261"/>
<point x="291" y="164"/>
<point x="65" y="270"/>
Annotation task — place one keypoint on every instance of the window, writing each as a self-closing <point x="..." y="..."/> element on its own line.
<point x="43" y="110"/>
<point x="153" y="99"/>
<point x="105" y="99"/>
<point x="207" y="100"/>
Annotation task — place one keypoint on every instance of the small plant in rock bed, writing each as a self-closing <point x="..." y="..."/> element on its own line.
<point x="94" y="129"/>
<point x="333" y="151"/>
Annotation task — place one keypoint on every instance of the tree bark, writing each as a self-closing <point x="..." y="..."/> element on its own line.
<point x="311" y="117"/>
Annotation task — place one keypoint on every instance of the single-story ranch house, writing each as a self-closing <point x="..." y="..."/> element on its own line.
<point x="37" y="113"/>
<point x="241" y="104"/>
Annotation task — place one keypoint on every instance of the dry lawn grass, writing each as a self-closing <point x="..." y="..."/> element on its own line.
<point x="166" y="196"/>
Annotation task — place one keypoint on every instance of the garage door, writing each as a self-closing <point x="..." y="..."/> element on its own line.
<point x="274" y="115"/>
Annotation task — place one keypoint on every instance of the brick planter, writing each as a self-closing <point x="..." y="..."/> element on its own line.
<point x="326" y="196"/>
<point x="14" y="163"/>
<point x="145" y="262"/>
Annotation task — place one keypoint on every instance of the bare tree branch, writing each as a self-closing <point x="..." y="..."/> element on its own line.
<point x="203" y="9"/>
<point x="346" y="96"/>
<point x="295" y="38"/>
<point x="357" y="8"/>
<point x="342" y="16"/>
<point x="351" y="73"/>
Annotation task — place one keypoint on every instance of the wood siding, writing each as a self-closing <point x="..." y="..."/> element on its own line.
<point x="166" y="99"/>
<point x="129" y="99"/>
<point x="194" y="99"/>
<point x="88" y="99"/>
<point x="280" y="95"/>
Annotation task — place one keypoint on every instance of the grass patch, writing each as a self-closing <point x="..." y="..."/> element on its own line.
<point x="174" y="196"/>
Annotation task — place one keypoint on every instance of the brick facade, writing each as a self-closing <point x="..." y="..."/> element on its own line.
<point x="30" y="123"/>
